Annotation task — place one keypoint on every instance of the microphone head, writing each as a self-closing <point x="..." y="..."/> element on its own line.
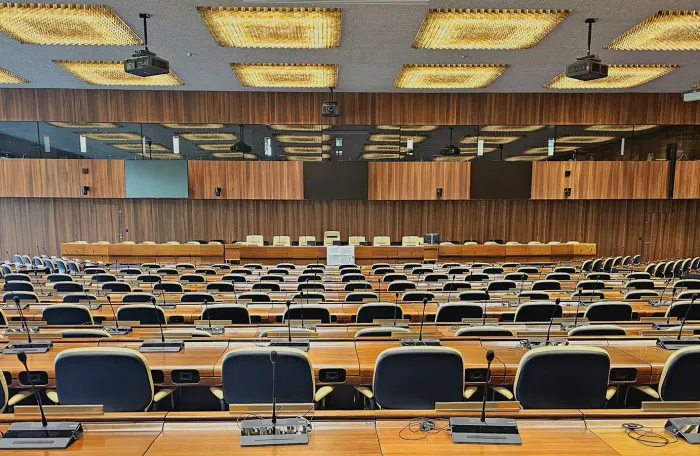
<point x="205" y="302"/>
<point x="425" y="301"/>
<point x="273" y="356"/>
<point x="490" y="355"/>
<point x="153" y="300"/>
<point x="557" y="301"/>
<point x="16" y="300"/>
<point x="289" y="304"/>
<point x="694" y="297"/>
<point x="22" y="357"/>
<point x="109" y="299"/>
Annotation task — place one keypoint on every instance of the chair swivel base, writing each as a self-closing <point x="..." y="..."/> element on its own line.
<point x="498" y="431"/>
<point x="420" y="343"/>
<point x="26" y="436"/>
<point x="286" y="431"/>
<point x="300" y="344"/>
<point x="36" y="346"/>
<point x="158" y="346"/>
<point x="673" y="343"/>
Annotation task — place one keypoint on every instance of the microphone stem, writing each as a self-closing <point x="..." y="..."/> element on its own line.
<point x="23" y="322"/>
<point x="38" y="398"/>
<point x="486" y="390"/>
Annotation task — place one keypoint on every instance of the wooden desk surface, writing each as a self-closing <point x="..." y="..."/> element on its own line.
<point x="351" y="438"/>
<point x="612" y="433"/>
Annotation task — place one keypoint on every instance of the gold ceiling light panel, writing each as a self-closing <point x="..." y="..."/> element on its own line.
<point x="473" y="150"/>
<point x="545" y="150"/>
<point x="490" y="139"/>
<point x="584" y="139"/>
<point x="234" y="155"/>
<point x="302" y="139"/>
<point x="486" y="28"/>
<point x="138" y="147"/>
<point x="512" y="128"/>
<point x="308" y="157"/>
<point x="385" y="148"/>
<point x="112" y="136"/>
<point x="215" y="147"/>
<point x="306" y="149"/>
<point x="527" y="158"/>
<point x="408" y="127"/>
<point x="111" y="73"/>
<point x="300" y="127"/>
<point x="260" y="27"/>
<point x="161" y="156"/>
<point x="454" y="158"/>
<point x="185" y="126"/>
<point x="64" y="24"/>
<point x="619" y="77"/>
<point x="382" y="137"/>
<point x="623" y="128"/>
<point x="382" y="156"/>
<point x="286" y="74"/>
<point x="208" y="136"/>
<point x="7" y="77"/>
<point x="448" y="76"/>
<point x="83" y="124"/>
<point x="663" y="31"/>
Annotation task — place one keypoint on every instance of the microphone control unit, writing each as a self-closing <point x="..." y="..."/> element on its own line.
<point x="159" y="346"/>
<point x="284" y="431"/>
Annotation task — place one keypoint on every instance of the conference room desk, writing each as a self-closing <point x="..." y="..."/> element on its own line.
<point x="309" y="254"/>
<point x="518" y="252"/>
<point x="145" y="253"/>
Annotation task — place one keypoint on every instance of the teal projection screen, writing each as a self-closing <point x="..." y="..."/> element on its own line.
<point x="156" y="178"/>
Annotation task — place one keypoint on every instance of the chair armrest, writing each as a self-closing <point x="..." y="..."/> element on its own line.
<point x="218" y="392"/>
<point x="503" y="391"/>
<point x="365" y="391"/>
<point x="469" y="392"/>
<point x="648" y="390"/>
<point x="162" y="394"/>
<point x="323" y="392"/>
<point x="610" y="393"/>
<point x="19" y="397"/>
<point x="52" y="395"/>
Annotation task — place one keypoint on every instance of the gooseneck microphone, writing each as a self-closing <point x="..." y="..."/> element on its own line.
<point x="578" y="304"/>
<point x="23" y="322"/>
<point x="489" y="358"/>
<point x="289" y="321"/>
<point x="273" y="359"/>
<point x="449" y="292"/>
<point x="687" y="312"/>
<point x="160" y="325"/>
<point x="206" y="309"/>
<point x="422" y="320"/>
<point x="551" y="320"/>
<point x="116" y="319"/>
<point x="522" y="283"/>
<point x="379" y="288"/>
<point x="396" y="307"/>
<point x="22" y="357"/>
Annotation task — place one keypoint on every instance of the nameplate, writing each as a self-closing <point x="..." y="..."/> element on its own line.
<point x="282" y="409"/>
<point x="497" y="406"/>
<point x="37" y="336"/>
<point x="59" y="410"/>
<point x="304" y="322"/>
<point x="667" y="333"/>
<point x="656" y="319"/>
<point x="122" y="323"/>
<point x="570" y="320"/>
<point x="398" y="321"/>
<point x="30" y="323"/>
<point x="284" y="334"/>
<point x="427" y="334"/>
<point x="671" y="406"/>
<point x="213" y="322"/>
<point x="479" y="320"/>
<point x="541" y="333"/>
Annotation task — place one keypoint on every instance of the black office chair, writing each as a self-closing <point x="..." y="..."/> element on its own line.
<point x="411" y="266"/>
<point x="565" y="269"/>
<point x="534" y="295"/>
<point x="252" y="266"/>
<point x="278" y="271"/>
<point x="643" y="294"/>
<point x="242" y="271"/>
<point x="493" y="270"/>
<point x="476" y="277"/>
<point x="394" y="277"/>
<point x="67" y="287"/>
<point x="598" y="276"/>
<point x="17" y="277"/>
<point x="367" y="313"/>
<point x="456" y="286"/>
<point x="529" y="270"/>
<point x="353" y="278"/>
<point x="150" y="266"/>
<point x="417" y="296"/>
<point x="500" y="286"/>
<point x="537" y="312"/>
<point x="415" y="378"/>
<point x="129" y="271"/>
<point x="457" y="271"/>
<point x="343" y="267"/>
<point x="168" y="271"/>
<point x="205" y="271"/>
<point x="558" y="276"/>
<point x="401" y="285"/>
<point x="456" y="312"/>
<point x="311" y="286"/>
<point x="590" y="285"/>
<point x="192" y="278"/>
<point x="268" y="278"/>
<point x="254" y="297"/>
<point x="361" y="296"/>
<point x="234" y="278"/>
<point x="474" y="295"/>
<point x="688" y="284"/>
<point x="18" y="286"/>
<point x="90" y="270"/>
<point x="116" y="287"/>
<point x="436" y="277"/>
<point x="516" y="276"/>
<point x="289" y="266"/>
<point x="266" y="286"/>
<point x="196" y="298"/>
<point x="84" y="333"/>
<point x="308" y="297"/>
<point x="137" y="297"/>
<point x="598" y="330"/>
<point x="100" y="278"/>
<point x="679" y="377"/>
<point x="310" y="312"/>
<point x="145" y="314"/>
<point x="383" y="271"/>
<point x="350" y="270"/>
<point x="354" y="286"/>
<point x="170" y="287"/>
<point x="609" y="311"/>
<point x="308" y="278"/>
<point x="679" y="309"/>
<point x="23" y="296"/>
<point x="54" y="278"/>
<point x="421" y="271"/>
<point x="484" y="331"/>
<point x="221" y="287"/>
<point x="76" y="298"/>
<point x="66" y="314"/>
<point x="236" y="314"/>
<point x="638" y="276"/>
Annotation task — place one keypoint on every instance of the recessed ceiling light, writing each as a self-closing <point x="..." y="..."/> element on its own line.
<point x="140" y="147"/>
<point x="176" y="126"/>
<point x="215" y="147"/>
<point x="545" y="150"/>
<point x="663" y="31"/>
<point x="382" y="137"/>
<point x="64" y="24"/>
<point x="619" y="77"/>
<point x="232" y="155"/>
<point x="486" y="28"/>
<point x="300" y="127"/>
<point x="385" y="148"/>
<point x="490" y="139"/>
<point x="448" y="76"/>
<point x="111" y="73"/>
<point x="302" y="139"/>
<point x="161" y="156"/>
<point x="527" y="158"/>
<point x="308" y="157"/>
<point x="306" y="149"/>
<point x="308" y="28"/>
<point x="408" y="127"/>
<point x="620" y="127"/>
<point x="286" y="74"/>
<point x="454" y="158"/>
<point x="208" y="136"/>
<point x="382" y="156"/>
<point x="584" y="139"/>
<point x="83" y="125"/>
<point x="7" y="77"/>
<point x="473" y="150"/>
<point x="111" y="136"/>
<point x="512" y="128"/>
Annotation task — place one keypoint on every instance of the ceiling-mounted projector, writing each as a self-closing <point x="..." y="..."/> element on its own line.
<point x="145" y="63"/>
<point x="588" y="67"/>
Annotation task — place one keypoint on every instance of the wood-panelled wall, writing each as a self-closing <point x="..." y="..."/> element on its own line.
<point x="661" y="228"/>
<point x="270" y="180"/>
<point x="357" y="108"/>
<point x="41" y="178"/>
<point x="687" y="180"/>
<point x="600" y="180"/>
<point x="418" y="181"/>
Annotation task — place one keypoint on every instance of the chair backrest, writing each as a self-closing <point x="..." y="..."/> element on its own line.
<point x="565" y="269"/>
<point x="192" y="278"/>
<point x="590" y="285"/>
<point x="455" y="312"/>
<point x="197" y="298"/>
<point x="352" y="286"/>
<point x="484" y="331"/>
<point x="17" y="277"/>
<point x="598" y="276"/>
<point x="254" y="239"/>
<point x="353" y="278"/>
<point x="417" y="296"/>
<point x="537" y="312"/>
<point x="634" y="295"/>
<point x="130" y="271"/>
<point x="546" y="285"/>
<point x="281" y="241"/>
<point x="609" y="311"/>
<point x="367" y="313"/>
<point x="220" y="287"/>
<point x="680" y="376"/>
<point x="456" y="286"/>
<point x="380" y="331"/>
<point x="138" y="297"/>
<point x="355" y="240"/>
<point x="598" y="330"/>
<point x="679" y="309"/>
<point x="492" y="270"/>
<point x="246" y="376"/>
<point x="689" y="284"/>
<point x="100" y="278"/>
<point x="145" y="314"/>
<point x="266" y="286"/>
<point x="237" y="314"/>
<point x="308" y="297"/>
<point x="416" y="378"/>
<point x="330" y="236"/>
<point x="74" y="298"/>
<point x="18" y="286"/>
<point x="307" y="240"/>
<point x="529" y="270"/>
<point x="380" y="265"/>
<point x="119" y="379"/>
<point x="563" y="377"/>
<point x="361" y="296"/>
<point x="278" y="271"/>
<point x="66" y="314"/>
<point x="234" y="278"/>
<point x="205" y="271"/>
<point x="558" y="276"/>
<point x="458" y="270"/>
<point x="401" y="285"/>
<point x="500" y="285"/>
<point x="53" y="278"/>
<point x="116" y="287"/>
<point x="476" y="277"/>
<point x="392" y="277"/>
<point x="169" y="287"/>
<point x="517" y="276"/>
<point x="532" y="295"/>
<point x="308" y="311"/>
<point x="474" y="295"/>
<point x="311" y="286"/>
<point x="83" y="333"/>
<point x="254" y="297"/>
<point x="63" y="287"/>
<point x="24" y="296"/>
<point x="381" y="241"/>
<point x="436" y="277"/>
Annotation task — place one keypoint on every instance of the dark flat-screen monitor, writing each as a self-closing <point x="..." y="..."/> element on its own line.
<point x="335" y="180"/>
<point x="500" y="180"/>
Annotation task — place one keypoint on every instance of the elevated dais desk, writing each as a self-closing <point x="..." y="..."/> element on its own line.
<point x="519" y="252"/>
<point x="145" y="253"/>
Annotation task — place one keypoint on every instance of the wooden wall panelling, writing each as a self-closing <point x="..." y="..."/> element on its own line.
<point x="277" y="180"/>
<point x="105" y="177"/>
<point x="418" y="180"/>
<point x="687" y="180"/>
<point x="18" y="104"/>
